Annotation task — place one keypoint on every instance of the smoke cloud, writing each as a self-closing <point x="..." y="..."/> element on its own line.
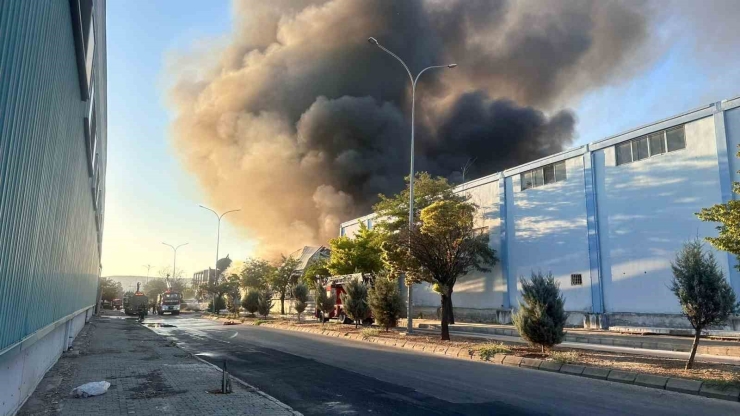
<point x="301" y="123"/>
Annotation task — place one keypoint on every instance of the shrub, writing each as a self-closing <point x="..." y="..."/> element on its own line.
<point x="564" y="357"/>
<point x="385" y="302"/>
<point x="220" y="304"/>
<point x="354" y="301"/>
<point x="487" y="351"/>
<point x="300" y="294"/>
<point x="250" y="302"/>
<point x="324" y="303"/>
<point x="541" y="319"/>
<point x="370" y="332"/>
<point x="259" y="322"/>
<point x="705" y="296"/>
<point x="264" y="304"/>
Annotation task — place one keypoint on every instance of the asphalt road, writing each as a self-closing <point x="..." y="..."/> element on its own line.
<point x="317" y="375"/>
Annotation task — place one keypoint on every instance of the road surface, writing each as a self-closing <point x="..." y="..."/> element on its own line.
<point x="319" y="375"/>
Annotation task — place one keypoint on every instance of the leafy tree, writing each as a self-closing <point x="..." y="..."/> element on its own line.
<point x="188" y="293"/>
<point x="728" y="215"/>
<point x="300" y="294"/>
<point x="361" y="254"/>
<point x="282" y="279"/>
<point x="251" y="302"/>
<point x="110" y="289"/>
<point x="217" y="291"/>
<point x="705" y="296"/>
<point x="354" y="301"/>
<point x="264" y="305"/>
<point x="324" y="303"/>
<point x="233" y="293"/>
<point x="386" y="302"/>
<point x="220" y="304"/>
<point x="315" y="269"/>
<point x="154" y="287"/>
<point x="541" y="319"/>
<point x="440" y="248"/>
<point x="256" y="274"/>
<point x="221" y="266"/>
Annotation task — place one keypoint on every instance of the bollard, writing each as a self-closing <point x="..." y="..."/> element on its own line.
<point x="225" y="381"/>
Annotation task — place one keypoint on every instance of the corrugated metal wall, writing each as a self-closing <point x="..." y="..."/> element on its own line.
<point x="49" y="236"/>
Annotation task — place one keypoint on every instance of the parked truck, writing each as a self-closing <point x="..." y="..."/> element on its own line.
<point x="134" y="302"/>
<point x="169" y="301"/>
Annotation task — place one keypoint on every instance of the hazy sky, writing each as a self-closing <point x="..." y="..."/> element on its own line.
<point x="151" y="199"/>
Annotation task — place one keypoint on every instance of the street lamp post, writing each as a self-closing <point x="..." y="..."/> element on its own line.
<point x="174" y="260"/>
<point x="218" y="239"/>
<point x="373" y="41"/>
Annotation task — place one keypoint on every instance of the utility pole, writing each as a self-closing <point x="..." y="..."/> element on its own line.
<point x="218" y="239"/>
<point x="148" y="267"/>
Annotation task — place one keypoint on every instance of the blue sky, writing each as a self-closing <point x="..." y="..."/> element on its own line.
<point x="151" y="199"/>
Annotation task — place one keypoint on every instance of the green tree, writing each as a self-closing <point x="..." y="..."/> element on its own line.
<point x="300" y="294"/>
<point x="440" y="248"/>
<point x="264" y="305"/>
<point x="256" y="274"/>
<point x="221" y="266"/>
<point x="705" y="296"/>
<point x="385" y="301"/>
<point x="217" y="291"/>
<point x="541" y="318"/>
<point x="110" y="289"/>
<point x="233" y="293"/>
<point x="154" y="287"/>
<point x="315" y="270"/>
<point x="251" y="302"/>
<point x="354" y="301"/>
<point x="728" y="215"/>
<point x="361" y="254"/>
<point x="324" y="303"/>
<point x="283" y="278"/>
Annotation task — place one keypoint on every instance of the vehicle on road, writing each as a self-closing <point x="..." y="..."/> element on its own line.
<point x="134" y="302"/>
<point x="169" y="301"/>
<point x="335" y="287"/>
<point x="117" y="304"/>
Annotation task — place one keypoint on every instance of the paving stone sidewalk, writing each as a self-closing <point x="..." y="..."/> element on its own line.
<point x="148" y="376"/>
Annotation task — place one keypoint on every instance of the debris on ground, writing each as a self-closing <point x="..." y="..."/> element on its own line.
<point x="95" y="388"/>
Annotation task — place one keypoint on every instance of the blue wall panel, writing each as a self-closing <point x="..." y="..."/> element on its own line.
<point x="49" y="236"/>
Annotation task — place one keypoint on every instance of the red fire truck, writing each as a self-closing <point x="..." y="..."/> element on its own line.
<point x="334" y="288"/>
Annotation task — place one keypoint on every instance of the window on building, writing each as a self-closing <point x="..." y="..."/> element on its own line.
<point x="576" y="280"/>
<point x="651" y="145"/>
<point x="543" y="176"/>
<point x="83" y="28"/>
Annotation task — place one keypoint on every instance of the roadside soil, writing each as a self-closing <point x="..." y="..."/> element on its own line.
<point x="720" y="374"/>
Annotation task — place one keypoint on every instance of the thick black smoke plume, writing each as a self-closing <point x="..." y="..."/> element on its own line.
<point x="301" y="122"/>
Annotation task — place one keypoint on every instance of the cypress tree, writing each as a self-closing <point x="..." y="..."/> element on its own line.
<point x="541" y="318"/>
<point x="386" y="302"/>
<point x="250" y="302"/>
<point x="300" y="294"/>
<point x="354" y="301"/>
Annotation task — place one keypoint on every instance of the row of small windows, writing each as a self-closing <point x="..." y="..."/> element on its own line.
<point x="543" y="176"/>
<point x="653" y="144"/>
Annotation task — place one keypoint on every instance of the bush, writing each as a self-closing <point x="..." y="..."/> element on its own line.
<point x="264" y="305"/>
<point x="259" y="322"/>
<point x="250" y="302"/>
<point x="705" y="296"/>
<point x="300" y="294"/>
<point x="541" y="319"/>
<point x="487" y="351"/>
<point x="324" y="303"/>
<point x="370" y="332"/>
<point x="220" y="304"/>
<point x="564" y="357"/>
<point x="354" y="301"/>
<point x="385" y="302"/>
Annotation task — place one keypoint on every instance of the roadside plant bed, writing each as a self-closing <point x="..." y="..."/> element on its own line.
<point x="723" y="375"/>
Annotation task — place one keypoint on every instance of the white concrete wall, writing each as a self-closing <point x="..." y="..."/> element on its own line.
<point x="646" y="212"/>
<point x="21" y="369"/>
<point x="549" y="234"/>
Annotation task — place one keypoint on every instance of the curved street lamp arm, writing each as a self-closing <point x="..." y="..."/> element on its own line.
<point x="429" y="67"/>
<point x="181" y="246"/>
<point x="411" y="77"/>
<point x="233" y="210"/>
<point x="214" y="212"/>
<point x="170" y="246"/>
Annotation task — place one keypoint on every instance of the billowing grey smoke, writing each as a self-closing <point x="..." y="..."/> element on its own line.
<point x="301" y="123"/>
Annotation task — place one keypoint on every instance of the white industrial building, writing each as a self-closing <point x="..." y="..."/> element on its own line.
<point x="606" y="219"/>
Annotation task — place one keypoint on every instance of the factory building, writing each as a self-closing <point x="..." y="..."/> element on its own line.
<point x="606" y="219"/>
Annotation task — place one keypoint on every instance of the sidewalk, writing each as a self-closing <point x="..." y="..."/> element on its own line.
<point x="148" y="376"/>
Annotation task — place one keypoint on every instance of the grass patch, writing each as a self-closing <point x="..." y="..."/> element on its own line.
<point x="259" y="322"/>
<point x="564" y="357"/>
<point x="487" y="351"/>
<point x="370" y="332"/>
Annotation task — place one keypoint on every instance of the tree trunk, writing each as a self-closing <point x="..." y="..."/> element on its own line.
<point x="282" y="304"/>
<point x="445" y="318"/>
<point x="450" y="309"/>
<point x="690" y="363"/>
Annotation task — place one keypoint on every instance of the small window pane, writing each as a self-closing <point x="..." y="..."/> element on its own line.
<point x="640" y="149"/>
<point x="549" y="171"/>
<point x="624" y="153"/>
<point x="559" y="171"/>
<point x="657" y="143"/>
<point x="676" y="139"/>
<point x="526" y="180"/>
<point x="538" y="178"/>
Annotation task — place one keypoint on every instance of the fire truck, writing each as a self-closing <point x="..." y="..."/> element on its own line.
<point x="335" y="288"/>
<point x="133" y="302"/>
<point x="169" y="301"/>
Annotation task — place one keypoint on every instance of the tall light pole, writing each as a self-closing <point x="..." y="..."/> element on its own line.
<point x="218" y="239"/>
<point x="174" y="260"/>
<point x="148" y="267"/>
<point x="373" y="41"/>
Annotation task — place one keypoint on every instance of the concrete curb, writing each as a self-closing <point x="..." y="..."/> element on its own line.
<point x="679" y="385"/>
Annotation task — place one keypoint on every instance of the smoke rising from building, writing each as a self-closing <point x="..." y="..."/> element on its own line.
<point x="296" y="119"/>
